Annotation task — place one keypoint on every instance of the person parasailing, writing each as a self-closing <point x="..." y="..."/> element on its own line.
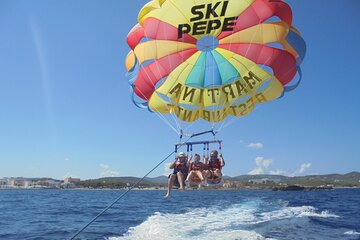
<point x="214" y="166"/>
<point x="181" y="169"/>
<point x="197" y="170"/>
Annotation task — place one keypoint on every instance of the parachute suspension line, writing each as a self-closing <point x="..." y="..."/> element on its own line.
<point x="156" y="112"/>
<point x="206" y="146"/>
<point x="181" y="134"/>
<point x="190" y="125"/>
<point x="226" y="124"/>
<point x="122" y="195"/>
<point x="167" y="122"/>
<point x="173" y="115"/>
<point x="213" y="125"/>
<point x="161" y="116"/>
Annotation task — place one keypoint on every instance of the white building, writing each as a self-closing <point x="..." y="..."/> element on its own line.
<point x="71" y="180"/>
<point x="4" y="183"/>
<point x="260" y="181"/>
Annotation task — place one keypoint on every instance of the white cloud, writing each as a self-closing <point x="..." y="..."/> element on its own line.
<point x="256" y="171"/>
<point x="262" y="166"/>
<point x="106" y="171"/>
<point x="255" y="145"/>
<point x="260" y="161"/>
<point x="304" y="167"/>
<point x="67" y="159"/>
<point x="104" y="166"/>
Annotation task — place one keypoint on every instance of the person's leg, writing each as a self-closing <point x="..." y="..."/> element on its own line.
<point x="207" y="174"/>
<point x="190" y="176"/>
<point x="200" y="176"/>
<point x="180" y="177"/>
<point x="170" y="184"/>
<point x="188" y="179"/>
<point x="218" y="173"/>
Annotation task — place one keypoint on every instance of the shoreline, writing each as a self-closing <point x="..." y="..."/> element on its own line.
<point x="162" y="189"/>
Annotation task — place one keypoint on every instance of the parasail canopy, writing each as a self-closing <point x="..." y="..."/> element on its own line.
<point x="208" y="59"/>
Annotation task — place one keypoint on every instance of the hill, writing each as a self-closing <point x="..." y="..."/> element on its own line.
<point x="123" y="182"/>
<point x="351" y="179"/>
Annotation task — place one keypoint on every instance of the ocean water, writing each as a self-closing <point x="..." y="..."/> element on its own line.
<point x="203" y="215"/>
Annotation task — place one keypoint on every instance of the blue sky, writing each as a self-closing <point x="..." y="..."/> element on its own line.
<point x="65" y="107"/>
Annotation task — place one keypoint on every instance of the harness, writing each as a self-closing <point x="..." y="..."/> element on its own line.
<point x="214" y="164"/>
<point x="181" y="167"/>
<point x="197" y="166"/>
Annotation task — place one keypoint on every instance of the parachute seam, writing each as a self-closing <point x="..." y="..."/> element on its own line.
<point x="156" y="112"/>
<point x="246" y="53"/>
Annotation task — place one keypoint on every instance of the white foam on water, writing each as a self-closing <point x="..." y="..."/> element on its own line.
<point x="293" y="212"/>
<point x="201" y="224"/>
<point x="230" y="223"/>
<point x="352" y="232"/>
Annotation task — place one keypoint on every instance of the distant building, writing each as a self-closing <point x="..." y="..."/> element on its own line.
<point x="71" y="180"/>
<point x="227" y="184"/>
<point x="16" y="183"/>
<point x="27" y="183"/>
<point x="4" y="183"/>
<point x="20" y="182"/>
<point x="48" y="183"/>
<point x="260" y="181"/>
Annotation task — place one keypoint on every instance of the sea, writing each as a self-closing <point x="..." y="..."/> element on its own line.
<point x="194" y="214"/>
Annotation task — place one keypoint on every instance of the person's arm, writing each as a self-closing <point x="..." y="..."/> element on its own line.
<point x="173" y="164"/>
<point x="222" y="162"/>
<point x="189" y="160"/>
<point x="205" y="160"/>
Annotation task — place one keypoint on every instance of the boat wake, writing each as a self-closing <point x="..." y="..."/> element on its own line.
<point x="251" y="220"/>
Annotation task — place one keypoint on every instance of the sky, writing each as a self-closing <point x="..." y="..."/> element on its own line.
<point x="65" y="106"/>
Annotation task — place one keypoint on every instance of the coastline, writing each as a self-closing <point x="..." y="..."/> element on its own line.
<point x="164" y="189"/>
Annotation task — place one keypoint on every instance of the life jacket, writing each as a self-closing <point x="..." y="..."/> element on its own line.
<point x="181" y="167"/>
<point x="214" y="164"/>
<point x="197" y="166"/>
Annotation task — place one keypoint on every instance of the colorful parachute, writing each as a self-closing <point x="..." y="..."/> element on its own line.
<point x="212" y="58"/>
